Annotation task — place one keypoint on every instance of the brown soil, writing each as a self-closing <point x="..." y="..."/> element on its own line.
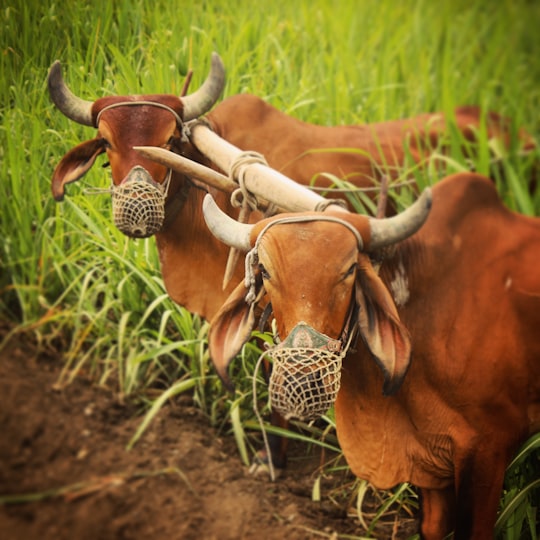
<point x="181" y="481"/>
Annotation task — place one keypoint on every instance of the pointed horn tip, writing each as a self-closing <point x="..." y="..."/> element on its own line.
<point x="208" y="203"/>
<point x="217" y="62"/>
<point x="210" y="208"/>
<point x="55" y="72"/>
<point x="427" y="198"/>
<point x="423" y="206"/>
<point x="75" y="108"/>
<point x="388" y="231"/>
<point x="224" y="227"/>
<point x="203" y="99"/>
<point x="146" y="149"/>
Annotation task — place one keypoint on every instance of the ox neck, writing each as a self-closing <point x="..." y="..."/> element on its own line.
<point x="192" y="260"/>
<point x="175" y="201"/>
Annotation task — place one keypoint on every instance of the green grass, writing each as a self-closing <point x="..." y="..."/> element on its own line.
<point x="74" y="281"/>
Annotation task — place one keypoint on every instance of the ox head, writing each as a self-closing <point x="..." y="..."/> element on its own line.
<point x="315" y="270"/>
<point x="140" y="187"/>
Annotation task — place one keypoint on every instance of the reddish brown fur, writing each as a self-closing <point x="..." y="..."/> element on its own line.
<point x="192" y="261"/>
<point x="472" y="392"/>
<point x="291" y="145"/>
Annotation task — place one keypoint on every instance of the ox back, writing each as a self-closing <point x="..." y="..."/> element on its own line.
<point x="360" y="154"/>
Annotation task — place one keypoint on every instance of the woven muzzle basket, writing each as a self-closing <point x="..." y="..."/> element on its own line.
<point x="304" y="382"/>
<point x="138" y="204"/>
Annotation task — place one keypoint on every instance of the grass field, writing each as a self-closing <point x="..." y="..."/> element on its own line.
<point x="74" y="281"/>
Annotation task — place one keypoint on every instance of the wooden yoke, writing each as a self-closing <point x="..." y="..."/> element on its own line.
<point x="265" y="183"/>
<point x="248" y="173"/>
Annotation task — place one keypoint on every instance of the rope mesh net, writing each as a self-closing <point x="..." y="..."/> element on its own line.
<point x="304" y="382"/>
<point x="138" y="208"/>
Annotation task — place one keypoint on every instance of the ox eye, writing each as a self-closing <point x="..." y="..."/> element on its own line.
<point x="264" y="272"/>
<point x="173" y="142"/>
<point x="106" y="144"/>
<point x="350" y="271"/>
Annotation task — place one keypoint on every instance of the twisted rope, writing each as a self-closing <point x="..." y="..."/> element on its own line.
<point x="242" y="196"/>
<point x="260" y="419"/>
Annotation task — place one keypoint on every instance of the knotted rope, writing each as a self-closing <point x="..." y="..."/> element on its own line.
<point x="245" y="200"/>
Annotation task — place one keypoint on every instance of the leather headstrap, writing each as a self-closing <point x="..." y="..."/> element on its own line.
<point x="179" y="122"/>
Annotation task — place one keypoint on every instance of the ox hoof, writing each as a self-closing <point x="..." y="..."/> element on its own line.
<point x="260" y="466"/>
<point x="262" y="469"/>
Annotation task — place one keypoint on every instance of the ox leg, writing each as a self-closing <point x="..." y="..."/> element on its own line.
<point x="437" y="513"/>
<point x="278" y="445"/>
<point x="479" y="481"/>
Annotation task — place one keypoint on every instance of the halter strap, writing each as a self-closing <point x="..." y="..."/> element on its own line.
<point x="304" y="219"/>
<point x="179" y="121"/>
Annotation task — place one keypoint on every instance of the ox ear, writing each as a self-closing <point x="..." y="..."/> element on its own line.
<point x="384" y="334"/>
<point x="75" y="164"/>
<point x="230" y="329"/>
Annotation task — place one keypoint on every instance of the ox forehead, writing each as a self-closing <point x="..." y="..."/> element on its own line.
<point x="253" y="258"/>
<point x="135" y="102"/>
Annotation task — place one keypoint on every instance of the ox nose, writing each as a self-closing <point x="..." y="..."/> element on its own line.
<point x="138" y="174"/>
<point x="138" y="231"/>
<point x="138" y="204"/>
<point x="297" y="386"/>
<point x="306" y="373"/>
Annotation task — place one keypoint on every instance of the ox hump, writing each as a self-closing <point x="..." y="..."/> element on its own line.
<point x="399" y="285"/>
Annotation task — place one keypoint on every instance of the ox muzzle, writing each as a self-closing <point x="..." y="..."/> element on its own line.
<point x="138" y="203"/>
<point x="306" y="373"/>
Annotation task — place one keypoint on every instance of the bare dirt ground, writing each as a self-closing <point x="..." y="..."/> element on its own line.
<point x="181" y="481"/>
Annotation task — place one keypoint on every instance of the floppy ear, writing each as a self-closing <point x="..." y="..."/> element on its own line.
<point x="387" y="339"/>
<point x="75" y="164"/>
<point x="231" y="328"/>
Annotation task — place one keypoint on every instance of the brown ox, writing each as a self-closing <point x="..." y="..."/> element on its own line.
<point x="463" y="293"/>
<point x="360" y="154"/>
<point x="192" y="261"/>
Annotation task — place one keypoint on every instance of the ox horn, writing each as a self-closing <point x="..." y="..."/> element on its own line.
<point x="203" y="99"/>
<point x="224" y="227"/>
<point x="388" y="231"/>
<point x="384" y="232"/>
<point x="75" y="108"/>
